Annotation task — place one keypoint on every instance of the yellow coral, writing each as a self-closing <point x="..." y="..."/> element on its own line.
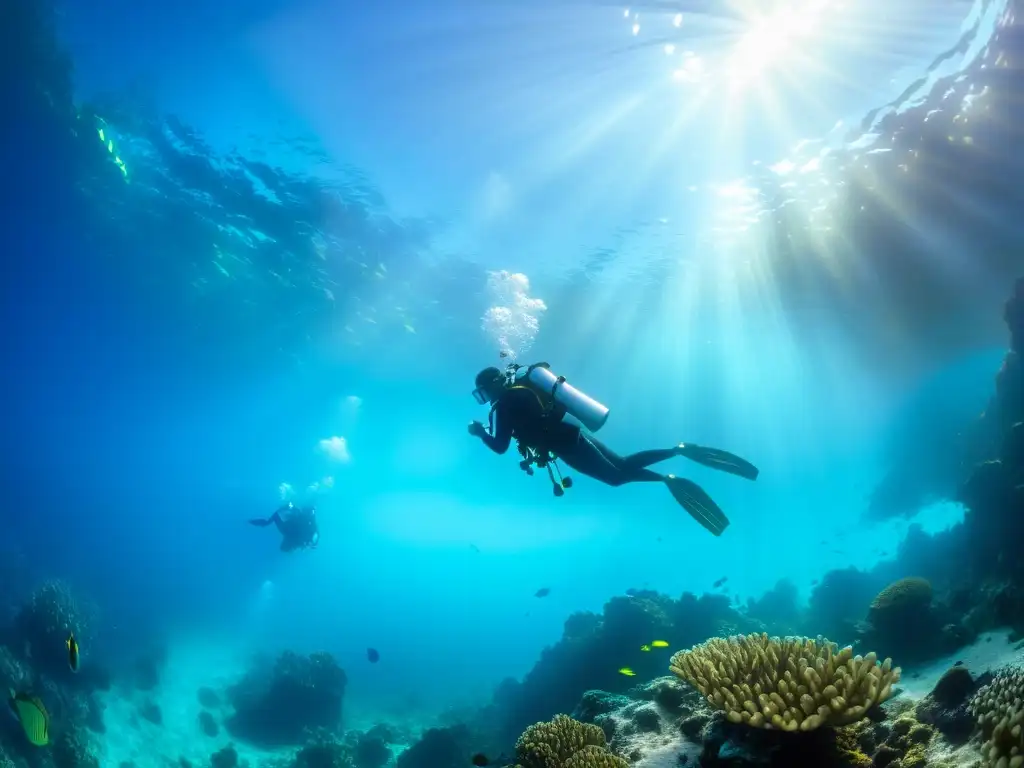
<point x="595" y="757"/>
<point x="565" y="743"/>
<point x="997" y="706"/>
<point x="786" y="684"/>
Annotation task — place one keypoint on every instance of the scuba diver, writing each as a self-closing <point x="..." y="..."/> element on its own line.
<point x="529" y="403"/>
<point x="297" y="526"/>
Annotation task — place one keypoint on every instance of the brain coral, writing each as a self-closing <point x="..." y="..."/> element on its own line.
<point x="906" y="594"/>
<point x="787" y="684"/>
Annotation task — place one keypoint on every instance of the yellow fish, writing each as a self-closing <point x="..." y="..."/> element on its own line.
<point x="72" y="645"/>
<point x="627" y="672"/>
<point x="645" y="647"/>
<point x="659" y="644"/>
<point x="33" y="717"/>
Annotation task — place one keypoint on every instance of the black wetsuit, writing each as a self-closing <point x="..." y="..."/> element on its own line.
<point x="519" y="413"/>
<point x="297" y="526"/>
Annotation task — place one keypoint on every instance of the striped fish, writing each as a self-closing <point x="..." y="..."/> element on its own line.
<point x="33" y="717"/>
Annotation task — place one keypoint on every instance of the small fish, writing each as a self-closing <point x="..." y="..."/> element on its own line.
<point x="659" y="644"/>
<point x="720" y="582"/>
<point x="72" y="645"/>
<point x="645" y="648"/>
<point x="627" y="672"/>
<point x="503" y="354"/>
<point x="33" y="717"/>
<point x="372" y="655"/>
<point x="542" y="592"/>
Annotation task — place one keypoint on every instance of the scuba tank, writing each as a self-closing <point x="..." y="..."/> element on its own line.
<point x="539" y="377"/>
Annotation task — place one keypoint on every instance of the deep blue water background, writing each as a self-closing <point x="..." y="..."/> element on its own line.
<point x="138" y="440"/>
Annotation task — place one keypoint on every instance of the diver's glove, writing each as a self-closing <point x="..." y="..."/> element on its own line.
<point x="476" y="429"/>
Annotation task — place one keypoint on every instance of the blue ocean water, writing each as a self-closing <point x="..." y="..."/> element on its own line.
<point x="256" y="253"/>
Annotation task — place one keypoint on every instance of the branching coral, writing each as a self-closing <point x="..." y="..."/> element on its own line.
<point x="565" y="743"/>
<point x="786" y="684"/>
<point x="997" y="707"/>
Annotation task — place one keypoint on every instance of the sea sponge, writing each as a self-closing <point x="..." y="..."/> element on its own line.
<point x="565" y="743"/>
<point x="788" y="684"/>
<point x="997" y="707"/>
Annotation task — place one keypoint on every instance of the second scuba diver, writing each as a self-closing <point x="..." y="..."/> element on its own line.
<point x="531" y="406"/>
<point x="297" y="526"/>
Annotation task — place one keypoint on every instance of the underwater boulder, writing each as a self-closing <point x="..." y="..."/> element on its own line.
<point x="946" y="707"/>
<point x="148" y="667"/>
<point x="275" y="707"/>
<point x="151" y="711"/>
<point x="208" y="698"/>
<point x="208" y="725"/>
<point x="438" y="748"/>
<point x="225" y="758"/>
<point x="370" y="751"/>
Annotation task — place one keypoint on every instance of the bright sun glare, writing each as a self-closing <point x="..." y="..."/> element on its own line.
<point x="773" y="40"/>
<point x="769" y="40"/>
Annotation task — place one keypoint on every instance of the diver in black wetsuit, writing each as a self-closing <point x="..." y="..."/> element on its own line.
<point x="533" y="415"/>
<point x="297" y="526"/>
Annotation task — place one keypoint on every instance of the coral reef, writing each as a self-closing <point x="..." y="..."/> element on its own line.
<point x="276" y="707"/>
<point x="668" y="723"/>
<point x="44" y="621"/>
<point x="323" y="751"/>
<point x="997" y="708"/>
<point x="787" y="684"/>
<point x="370" y="750"/>
<point x="902" y="619"/>
<point x="594" y="647"/>
<point x="565" y="743"/>
<point x="72" y="750"/>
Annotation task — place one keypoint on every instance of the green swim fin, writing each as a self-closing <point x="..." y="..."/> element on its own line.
<point x="695" y="500"/>
<point x="718" y="459"/>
